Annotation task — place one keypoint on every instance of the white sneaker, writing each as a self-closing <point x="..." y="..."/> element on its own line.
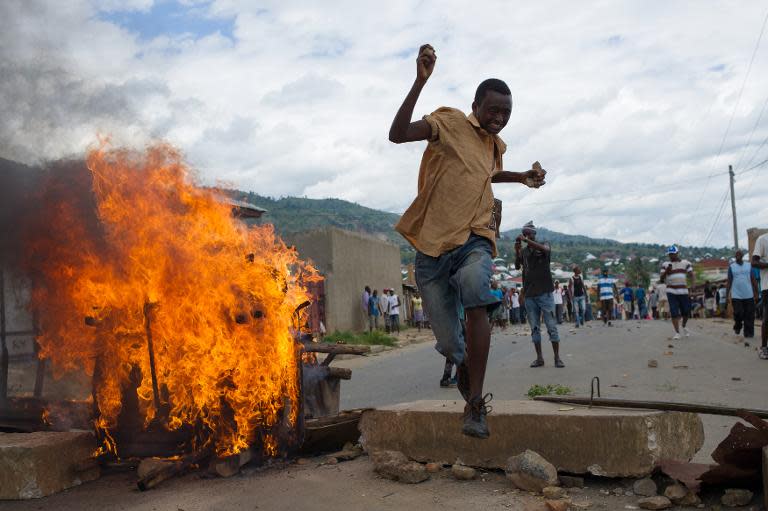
<point x="763" y="353"/>
<point x="687" y="332"/>
<point x="676" y="336"/>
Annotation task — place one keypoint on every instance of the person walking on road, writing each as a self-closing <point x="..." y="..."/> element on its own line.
<point x="743" y="293"/>
<point x="606" y="292"/>
<point x="557" y="296"/>
<point x="675" y="273"/>
<point x="663" y="304"/>
<point x="628" y="300"/>
<point x="642" y="307"/>
<point x="578" y="292"/>
<point x="453" y="223"/>
<point x="760" y="260"/>
<point x="514" y="311"/>
<point x="534" y="260"/>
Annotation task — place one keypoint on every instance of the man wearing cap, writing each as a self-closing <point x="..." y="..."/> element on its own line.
<point x="534" y="260"/>
<point x="453" y="223"/>
<point x="675" y="273"/>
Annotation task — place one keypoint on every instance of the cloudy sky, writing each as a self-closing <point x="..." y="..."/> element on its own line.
<point x="635" y="108"/>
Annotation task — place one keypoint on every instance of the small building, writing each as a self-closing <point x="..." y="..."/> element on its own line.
<point x="712" y="269"/>
<point x="349" y="261"/>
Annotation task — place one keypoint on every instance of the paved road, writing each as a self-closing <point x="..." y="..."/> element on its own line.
<point x="618" y="355"/>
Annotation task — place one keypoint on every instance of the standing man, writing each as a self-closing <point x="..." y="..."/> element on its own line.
<point x="557" y="296"/>
<point x="606" y="292"/>
<point x="653" y="301"/>
<point x="394" y="312"/>
<point x="418" y="310"/>
<point x="675" y="273"/>
<point x="452" y="223"/>
<point x="709" y="300"/>
<point x="663" y="303"/>
<point x="373" y="311"/>
<point x="578" y="295"/>
<point x="628" y="297"/>
<point x="384" y="308"/>
<point x="538" y="288"/>
<point x="743" y="292"/>
<point x="642" y="308"/>
<point x="366" y="298"/>
<point x="514" y="311"/>
<point x="760" y="260"/>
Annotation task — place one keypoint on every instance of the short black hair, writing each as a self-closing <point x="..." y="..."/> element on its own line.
<point x="493" y="84"/>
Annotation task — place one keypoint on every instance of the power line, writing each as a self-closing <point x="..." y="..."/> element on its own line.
<point x="733" y="114"/>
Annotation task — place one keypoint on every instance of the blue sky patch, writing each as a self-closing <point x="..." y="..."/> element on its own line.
<point x="170" y="18"/>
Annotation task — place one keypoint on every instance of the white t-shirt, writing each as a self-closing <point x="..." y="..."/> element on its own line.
<point x="394" y="308"/>
<point x="661" y="291"/>
<point x="761" y="249"/>
<point x="515" y="300"/>
<point x="558" y="295"/>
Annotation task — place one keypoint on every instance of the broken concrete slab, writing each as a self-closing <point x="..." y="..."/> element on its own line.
<point x="35" y="465"/>
<point x="600" y="441"/>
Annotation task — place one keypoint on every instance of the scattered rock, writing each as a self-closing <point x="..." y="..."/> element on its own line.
<point x="645" y="487"/>
<point x="553" y="492"/>
<point x="657" y="502"/>
<point x="670" y="345"/>
<point x="581" y="504"/>
<point x="331" y="460"/>
<point x="675" y="492"/>
<point x="395" y="465"/>
<point x="618" y="491"/>
<point x="680" y="366"/>
<point x="572" y="481"/>
<point x="463" y="473"/>
<point x="302" y="461"/>
<point x="736" y="378"/>
<point x="433" y="468"/>
<point x="558" y="505"/>
<point x="690" y="500"/>
<point x="349" y="452"/>
<point x="736" y="497"/>
<point x="531" y="472"/>
<point x="653" y="363"/>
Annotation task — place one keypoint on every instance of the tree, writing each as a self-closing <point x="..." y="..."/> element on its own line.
<point x="637" y="273"/>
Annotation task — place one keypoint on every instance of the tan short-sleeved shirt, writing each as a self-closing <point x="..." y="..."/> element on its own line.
<point x="455" y="197"/>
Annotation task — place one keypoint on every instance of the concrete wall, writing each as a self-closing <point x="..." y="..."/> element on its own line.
<point x="349" y="261"/>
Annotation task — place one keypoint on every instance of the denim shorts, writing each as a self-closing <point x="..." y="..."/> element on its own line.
<point x="679" y="305"/>
<point x="458" y="278"/>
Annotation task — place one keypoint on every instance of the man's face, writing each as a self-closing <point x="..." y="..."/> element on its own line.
<point x="577" y="271"/>
<point x="739" y="256"/>
<point x="531" y="235"/>
<point x="493" y="111"/>
<point x="673" y="257"/>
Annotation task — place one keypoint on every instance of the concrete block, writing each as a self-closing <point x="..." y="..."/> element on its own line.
<point x="34" y="465"/>
<point x="600" y="441"/>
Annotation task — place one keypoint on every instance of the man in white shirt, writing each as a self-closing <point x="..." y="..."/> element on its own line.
<point x="663" y="304"/>
<point x="760" y="260"/>
<point x="675" y="273"/>
<point x="394" y="311"/>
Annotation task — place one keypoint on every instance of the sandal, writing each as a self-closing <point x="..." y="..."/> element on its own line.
<point x="559" y="363"/>
<point x="537" y="363"/>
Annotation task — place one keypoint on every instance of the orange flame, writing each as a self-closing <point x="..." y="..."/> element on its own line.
<point x="166" y="258"/>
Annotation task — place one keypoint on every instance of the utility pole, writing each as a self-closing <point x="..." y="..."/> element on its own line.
<point x="733" y="211"/>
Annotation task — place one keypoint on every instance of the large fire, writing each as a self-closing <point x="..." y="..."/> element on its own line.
<point x="160" y="260"/>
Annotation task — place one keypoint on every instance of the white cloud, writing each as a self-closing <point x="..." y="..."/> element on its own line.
<point x="617" y="100"/>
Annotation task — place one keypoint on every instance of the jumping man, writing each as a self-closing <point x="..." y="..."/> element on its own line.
<point x="452" y="223"/>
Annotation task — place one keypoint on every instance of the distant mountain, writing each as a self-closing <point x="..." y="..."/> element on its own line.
<point x="295" y="214"/>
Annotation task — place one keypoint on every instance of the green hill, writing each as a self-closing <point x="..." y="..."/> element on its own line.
<point x="295" y="214"/>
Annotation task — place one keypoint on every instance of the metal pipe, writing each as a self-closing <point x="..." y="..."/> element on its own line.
<point x="652" y="405"/>
<point x="148" y="328"/>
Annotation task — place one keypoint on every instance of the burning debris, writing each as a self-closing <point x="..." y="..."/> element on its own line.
<point x="183" y="316"/>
